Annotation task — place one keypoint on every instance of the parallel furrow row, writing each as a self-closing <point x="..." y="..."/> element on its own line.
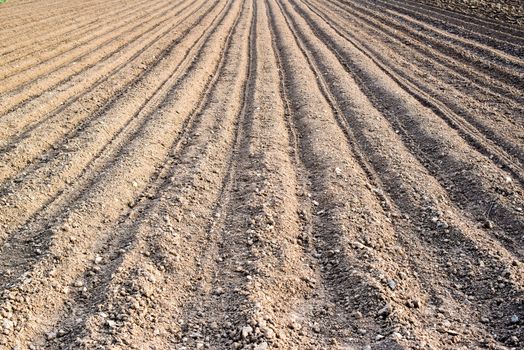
<point x="430" y="138"/>
<point x="467" y="132"/>
<point x="51" y="71"/>
<point x="67" y="25"/>
<point x="80" y="152"/>
<point x="86" y="99"/>
<point x="15" y="20"/>
<point x="259" y="174"/>
<point x="412" y="33"/>
<point x="395" y="174"/>
<point x="466" y="29"/>
<point x="25" y="56"/>
<point x="139" y="159"/>
<point x="504" y="132"/>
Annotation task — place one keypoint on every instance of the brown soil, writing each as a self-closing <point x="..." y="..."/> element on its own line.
<point x="504" y="11"/>
<point x="259" y="174"/>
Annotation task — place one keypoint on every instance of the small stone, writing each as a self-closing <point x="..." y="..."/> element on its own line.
<point x="384" y="312"/>
<point x="98" y="259"/>
<point x="358" y="245"/>
<point x="295" y="326"/>
<point x="379" y="337"/>
<point x="392" y="284"/>
<point x="396" y="335"/>
<point x="111" y="323"/>
<point x="246" y="331"/>
<point x="262" y="346"/>
<point x="51" y="335"/>
<point x="7" y="325"/>
<point x="415" y="303"/>
<point x="268" y="333"/>
<point x="79" y="283"/>
<point x="443" y="224"/>
<point x="488" y="224"/>
<point x="452" y="332"/>
<point x="6" y="314"/>
<point x="514" y="319"/>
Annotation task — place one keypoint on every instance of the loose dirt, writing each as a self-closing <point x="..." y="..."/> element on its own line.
<point x="261" y="174"/>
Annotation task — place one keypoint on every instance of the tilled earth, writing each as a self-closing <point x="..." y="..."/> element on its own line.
<point x="509" y="11"/>
<point x="260" y="174"/>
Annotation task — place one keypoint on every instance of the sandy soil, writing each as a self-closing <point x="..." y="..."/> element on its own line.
<point x="260" y="174"/>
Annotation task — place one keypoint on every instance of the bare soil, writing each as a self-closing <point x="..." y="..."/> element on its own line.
<point x="261" y="174"/>
<point x="505" y="11"/>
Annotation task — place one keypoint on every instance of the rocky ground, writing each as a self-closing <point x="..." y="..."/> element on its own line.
<point x="260" y="174"/>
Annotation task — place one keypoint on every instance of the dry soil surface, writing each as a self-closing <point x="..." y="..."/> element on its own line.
<point x="509" y="11"/>
<point x="260" y="174"/>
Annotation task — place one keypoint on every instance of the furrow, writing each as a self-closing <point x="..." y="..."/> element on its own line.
<point x="169" y="245"/>
<point x="93" y="100"/>
<point x="261" y="174"/>
<point x="35" y="52"/>
<point x="82" y="152"/>
<point x="419" y="198"/>
<point x="26" y="17"/>
<point x="112" y="191"/>
<point x="345" y="213"/>
<point x="404" y="315"/>
<point x="497" y="28"/>
<point x="397" y="33"/>
<point x="251" y="272"/>
<point x="473" y="181"/>
<point x="505" y="131"/>
<point x="476" y="141"/>
<point x="64" y="84"/>
<point x="36" y="78"/>
<point x="481" y="34"/>
<point x="458" y="42"/>
<point x="66" y="26"/>
<point x="503" y="72"/>
<point x="511" y="34"/>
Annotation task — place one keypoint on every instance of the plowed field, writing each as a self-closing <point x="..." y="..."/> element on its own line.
<point x="259" y="174"/>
